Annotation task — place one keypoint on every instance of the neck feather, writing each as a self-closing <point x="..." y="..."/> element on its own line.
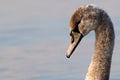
<point x="99" y="68"/>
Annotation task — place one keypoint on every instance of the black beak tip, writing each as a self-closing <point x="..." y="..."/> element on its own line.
<point x="68" y="56"/>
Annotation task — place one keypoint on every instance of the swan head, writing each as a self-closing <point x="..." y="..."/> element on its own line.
<point x="84" y="20"/>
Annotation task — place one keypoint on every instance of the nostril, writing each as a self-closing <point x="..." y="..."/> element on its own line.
<point x="72" y="39"/>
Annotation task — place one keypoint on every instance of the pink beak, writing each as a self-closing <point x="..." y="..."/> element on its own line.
<point x="73" y="44"/>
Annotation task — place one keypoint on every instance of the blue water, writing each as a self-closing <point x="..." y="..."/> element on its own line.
<point x="34" y="37"/>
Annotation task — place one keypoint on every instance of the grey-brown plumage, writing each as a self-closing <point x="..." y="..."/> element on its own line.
<point x="84" y="20"/>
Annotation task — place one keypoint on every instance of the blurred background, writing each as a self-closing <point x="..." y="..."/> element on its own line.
<point x="34" y="37"/>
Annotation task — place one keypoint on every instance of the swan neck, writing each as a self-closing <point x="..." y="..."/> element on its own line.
<point x="99" y="68"/>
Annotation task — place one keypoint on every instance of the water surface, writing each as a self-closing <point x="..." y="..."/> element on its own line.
<point x="34" y="37"/>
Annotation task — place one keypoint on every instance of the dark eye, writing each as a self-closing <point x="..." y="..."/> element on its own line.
<point x="75" y="29"/>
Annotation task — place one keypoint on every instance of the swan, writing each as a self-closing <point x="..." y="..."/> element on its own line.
<point x="85" y="19"/>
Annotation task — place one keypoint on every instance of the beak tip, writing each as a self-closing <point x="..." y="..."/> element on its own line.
<point x="68" y="56"/>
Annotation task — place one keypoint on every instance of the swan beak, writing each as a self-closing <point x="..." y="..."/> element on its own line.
<point x="73" y="44"/>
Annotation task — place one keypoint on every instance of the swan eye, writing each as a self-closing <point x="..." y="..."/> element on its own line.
<point x="74" y="30"/>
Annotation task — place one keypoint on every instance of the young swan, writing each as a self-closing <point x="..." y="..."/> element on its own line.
<point x="84" y="20"/>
